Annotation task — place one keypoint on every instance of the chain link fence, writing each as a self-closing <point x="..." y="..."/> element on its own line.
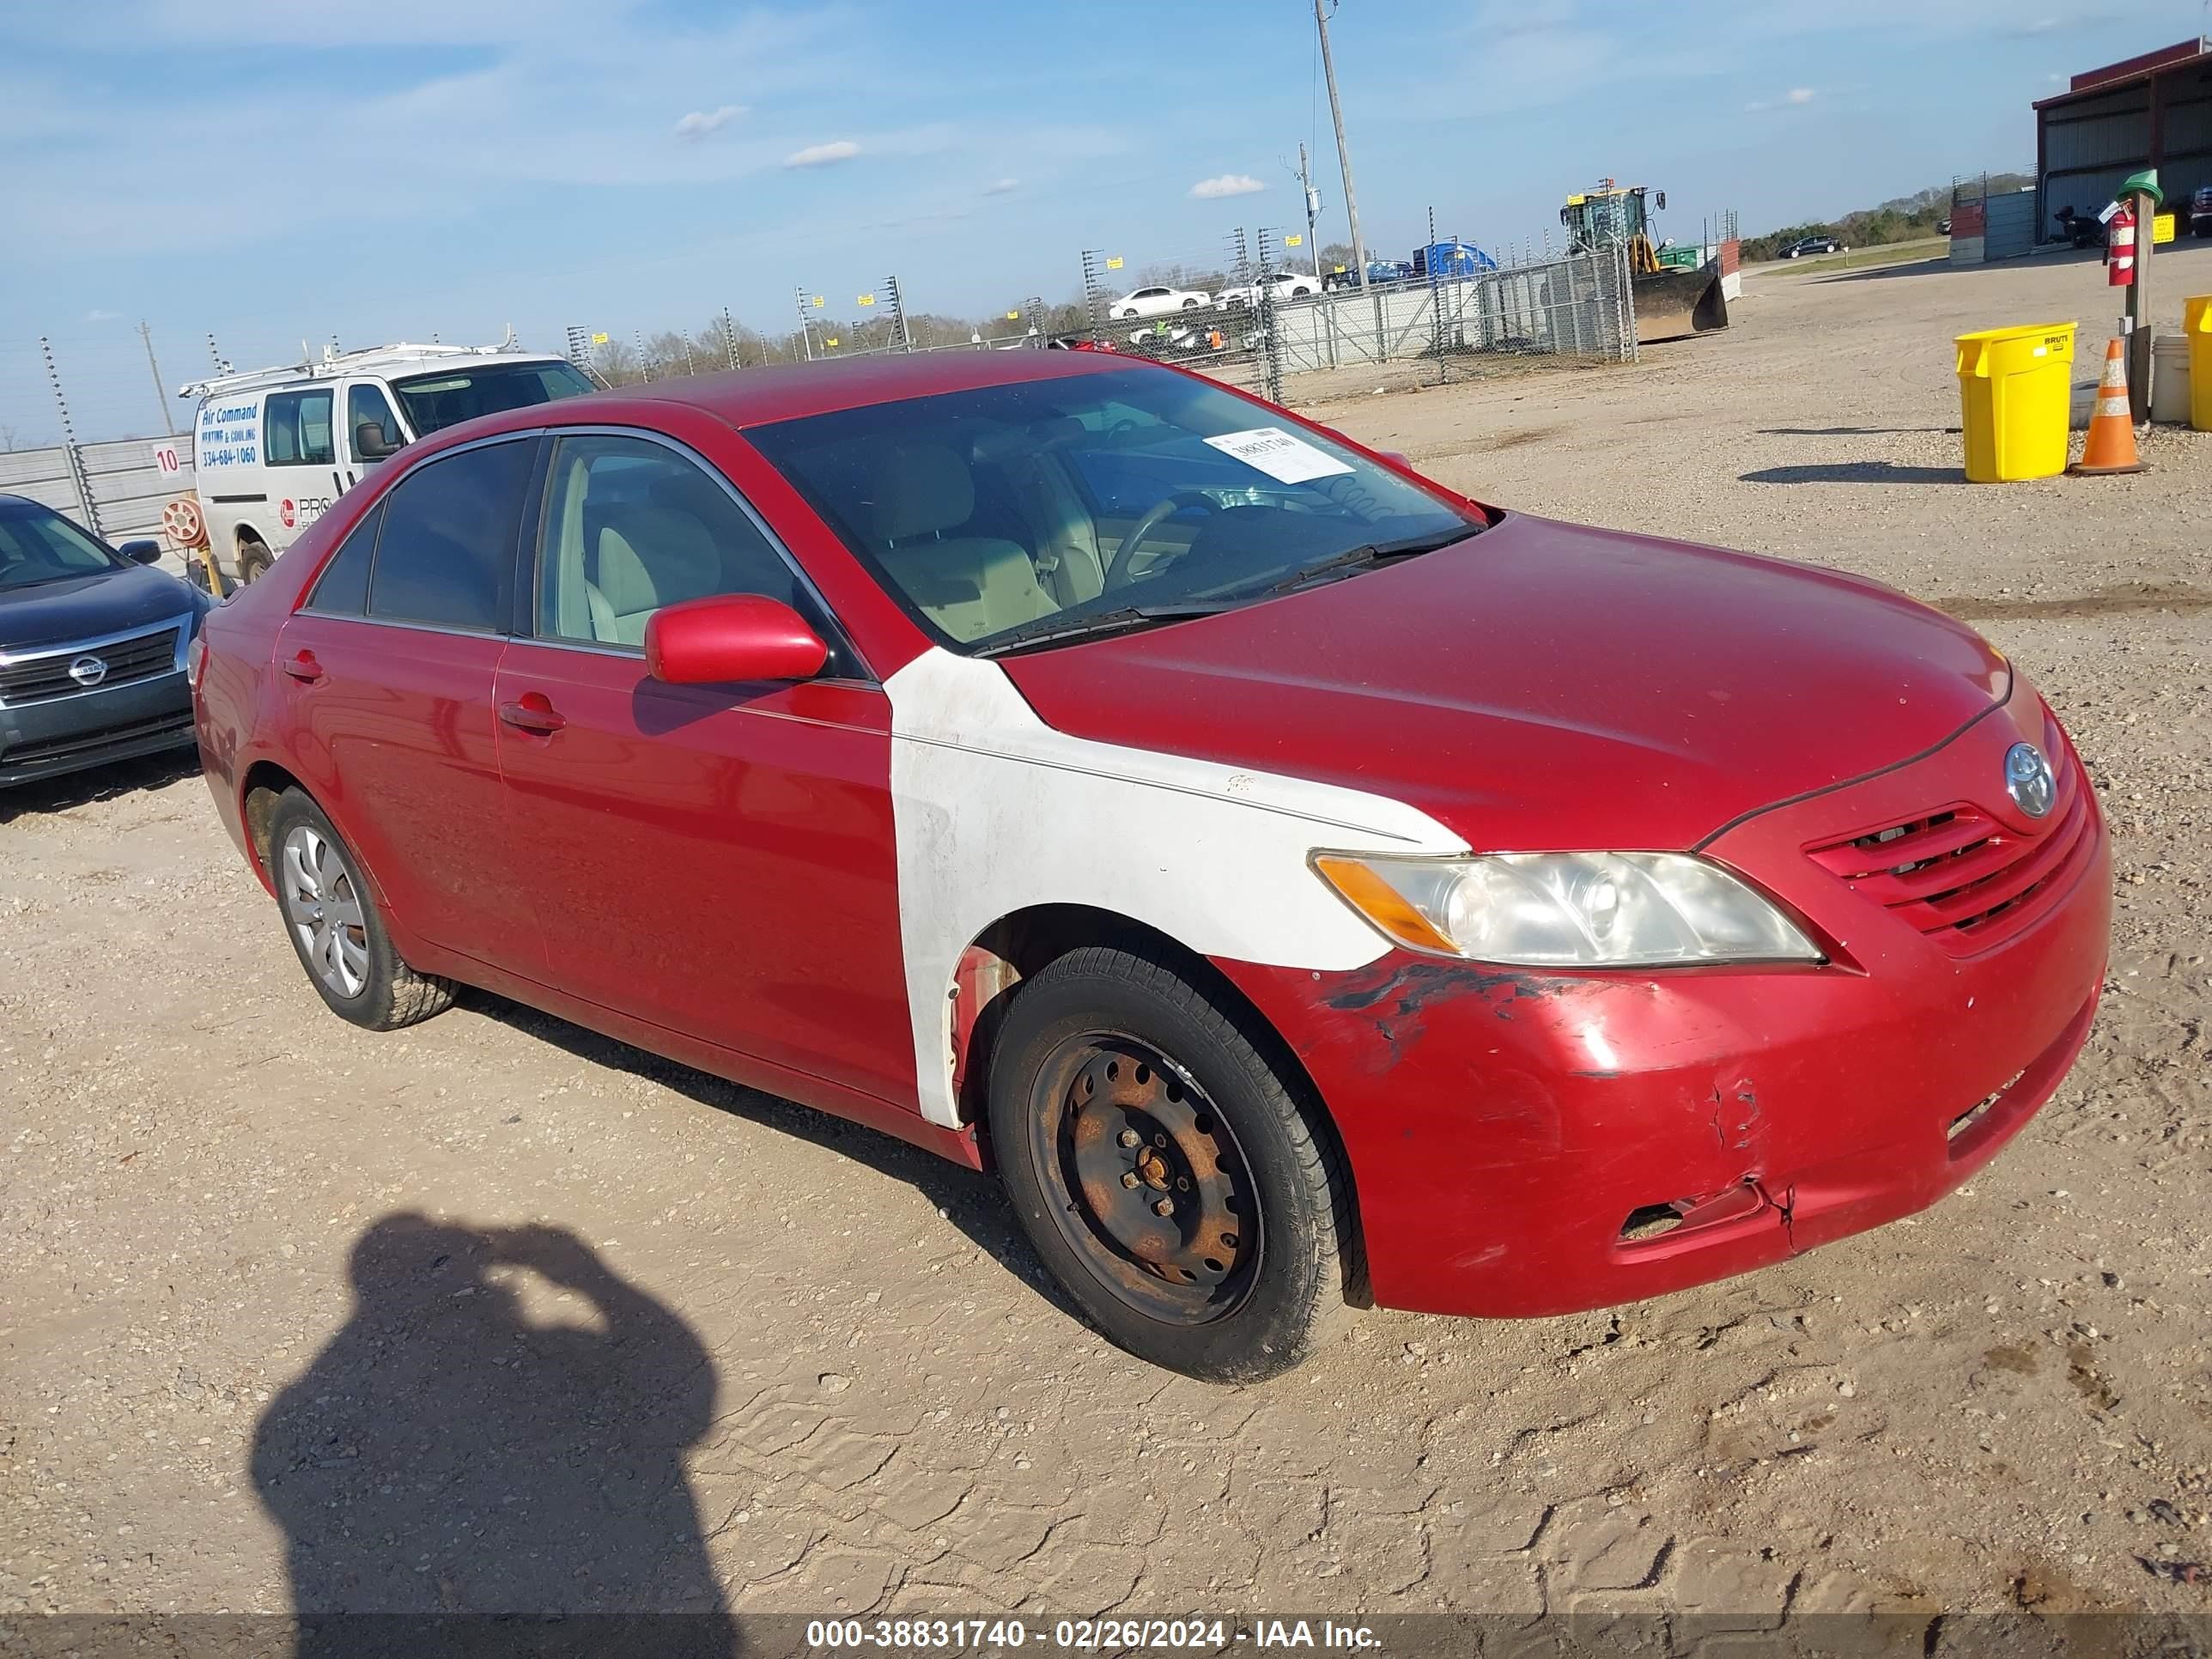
<point x="1572" y="306"/>
<point x="1210" y="308"/>
<point x="1237" y="309"/>
<point x="1246" y="317"/>
<point x="70" y="395"/>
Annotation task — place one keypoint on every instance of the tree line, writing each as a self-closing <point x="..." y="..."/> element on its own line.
<point x="726" y="344"/>
<point x="1901" y="219"/>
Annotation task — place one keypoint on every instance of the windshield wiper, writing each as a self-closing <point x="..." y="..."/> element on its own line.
<point x="1047" y="630"/>
<point x="1372" y="554"/>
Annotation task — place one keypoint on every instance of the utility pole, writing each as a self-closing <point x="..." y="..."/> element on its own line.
<point x="161" y="394"/>
<point x="1312" y="210"/>
<point x="1343" y="156"/>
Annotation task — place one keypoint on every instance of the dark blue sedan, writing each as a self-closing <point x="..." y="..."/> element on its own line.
<point x="91" y="647"/>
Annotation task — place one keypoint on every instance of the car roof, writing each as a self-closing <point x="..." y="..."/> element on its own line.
<point x="785" y="391"/>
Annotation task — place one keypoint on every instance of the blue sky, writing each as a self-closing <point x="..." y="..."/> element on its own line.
<point x="274" y="170"/>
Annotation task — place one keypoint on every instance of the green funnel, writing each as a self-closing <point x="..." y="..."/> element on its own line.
<point x="2147" y="182"/>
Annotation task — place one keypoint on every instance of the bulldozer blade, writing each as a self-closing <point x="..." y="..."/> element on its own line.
<point x="1674" y="302"/>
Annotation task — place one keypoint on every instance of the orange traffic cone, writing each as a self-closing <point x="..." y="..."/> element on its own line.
<point x="2111" y="445"/>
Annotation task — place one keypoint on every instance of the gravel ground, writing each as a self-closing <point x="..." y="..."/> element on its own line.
<point x="494" y="1303"/>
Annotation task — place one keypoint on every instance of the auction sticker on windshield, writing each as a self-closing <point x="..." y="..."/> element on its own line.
<point x="1285" y="458"/>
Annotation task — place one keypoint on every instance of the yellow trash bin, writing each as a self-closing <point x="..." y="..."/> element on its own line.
<point x="2197" y="324"/>
<point x="2015" y="385"/>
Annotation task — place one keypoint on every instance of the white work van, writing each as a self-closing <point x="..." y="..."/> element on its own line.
<point x="273" y="449"/>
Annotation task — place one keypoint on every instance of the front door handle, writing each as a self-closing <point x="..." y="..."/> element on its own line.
<point x="532" y="713"/>
<point x="303" y="667"/>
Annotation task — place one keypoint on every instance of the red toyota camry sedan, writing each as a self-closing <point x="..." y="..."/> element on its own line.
<point x="1302" y="883"/>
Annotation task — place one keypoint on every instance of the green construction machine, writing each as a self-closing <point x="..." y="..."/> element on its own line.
<point x="1672" y="299"/>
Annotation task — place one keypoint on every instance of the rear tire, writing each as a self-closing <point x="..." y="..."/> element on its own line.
<point x="1164" y="1171"/>
<point x="335" y="929"/>
<point x="253" y="560"/>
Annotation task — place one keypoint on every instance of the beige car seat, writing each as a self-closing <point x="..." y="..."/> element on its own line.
<point x="648" y="557"/>
<point x="969" y="585"/>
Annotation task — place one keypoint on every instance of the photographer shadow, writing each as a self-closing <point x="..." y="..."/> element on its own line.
<point x="476" y="1460"/>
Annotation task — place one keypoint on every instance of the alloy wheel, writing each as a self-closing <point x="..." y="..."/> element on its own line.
<point x="324" y="908"/>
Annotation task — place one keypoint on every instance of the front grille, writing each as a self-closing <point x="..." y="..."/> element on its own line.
<point x="1959" y="875"/>
<point x="45" y="676"/>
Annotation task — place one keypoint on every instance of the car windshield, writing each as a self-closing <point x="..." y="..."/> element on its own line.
<point x="37" y="544"/>
<point x="1057" y="507"/>
<point x="452" y="396"/>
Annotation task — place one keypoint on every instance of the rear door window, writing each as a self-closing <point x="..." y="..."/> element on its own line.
<point x="295" y="428"/>
<point x="342" y="590"/>
<point x="446" y="553"/>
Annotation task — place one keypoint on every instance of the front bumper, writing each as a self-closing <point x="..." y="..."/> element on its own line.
<point x="47" y="740"/>
<point x="1530" y="1143"/>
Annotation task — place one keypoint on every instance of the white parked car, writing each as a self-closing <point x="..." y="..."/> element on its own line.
<point x="1281" y="285"/>
<point x="1161" y="301"/>
<point x="273" y="448"/>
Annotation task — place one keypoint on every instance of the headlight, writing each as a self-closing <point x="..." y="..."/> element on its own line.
<point x="1567" y="909"/>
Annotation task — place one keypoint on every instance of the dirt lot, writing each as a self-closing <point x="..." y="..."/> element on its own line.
<point x="625" y="1332"/>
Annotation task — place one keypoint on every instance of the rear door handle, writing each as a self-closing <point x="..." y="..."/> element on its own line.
<point x="303" y="667"/>
<point x="533" y="713"/>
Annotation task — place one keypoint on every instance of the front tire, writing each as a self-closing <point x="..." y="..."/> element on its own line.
<point x="1164" y="1171"/>
<point x="331" y="919"/>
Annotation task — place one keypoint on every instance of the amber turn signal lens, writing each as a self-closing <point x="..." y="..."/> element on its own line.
<point x="1381" y="903"/>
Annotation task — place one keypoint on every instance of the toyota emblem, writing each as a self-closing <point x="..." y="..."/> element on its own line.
<point x="2028" y="780"/>
<point x="88" y="671"/>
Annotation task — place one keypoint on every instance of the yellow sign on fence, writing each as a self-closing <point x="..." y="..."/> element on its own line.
<point x="1013" y="316"/>
<point x="1292" y="242"/>
<point x="2161" y="228"/>
<point x="1113" y="262"/>
<point x="599" y="339"/>
<point x="818" y="302"/>
<point x="867" y="299"/>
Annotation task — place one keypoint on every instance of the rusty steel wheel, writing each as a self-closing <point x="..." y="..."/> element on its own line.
<point x="1165" y="1158"/>
<point x="1147" y="1179"/>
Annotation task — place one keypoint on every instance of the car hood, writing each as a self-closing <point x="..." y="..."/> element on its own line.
<point x="87" y="607"/>
<point x="1545" y="685"/>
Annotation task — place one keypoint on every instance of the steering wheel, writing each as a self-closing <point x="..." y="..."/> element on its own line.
<point x="1117" y="568"/>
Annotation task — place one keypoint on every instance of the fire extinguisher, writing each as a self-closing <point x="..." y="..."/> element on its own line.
<point x="2120" y="248"/>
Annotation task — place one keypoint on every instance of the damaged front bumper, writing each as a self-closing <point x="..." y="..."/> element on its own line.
<point x="1528" y="1142"/>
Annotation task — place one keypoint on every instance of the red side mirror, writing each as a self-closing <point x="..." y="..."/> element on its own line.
<point x="731" y="638"/>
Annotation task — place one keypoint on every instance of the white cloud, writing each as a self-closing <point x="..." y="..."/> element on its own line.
<point x="823" y="155"/>
<point x="699" y="123"/>
<point x="1000" y="187"/>
<point x="1796" y="96"/>
<point x="1229" y="184"/>
<point x="97" y="316"/>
